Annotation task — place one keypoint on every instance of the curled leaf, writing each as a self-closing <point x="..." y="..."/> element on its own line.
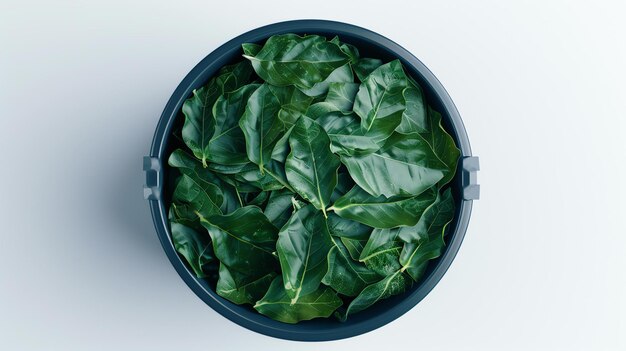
<point x="290" y="59"/>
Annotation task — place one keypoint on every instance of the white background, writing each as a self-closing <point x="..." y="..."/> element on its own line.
<point x="539" y="84"/>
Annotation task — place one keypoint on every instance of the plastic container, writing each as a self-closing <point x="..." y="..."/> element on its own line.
<point x="370" y="44"/>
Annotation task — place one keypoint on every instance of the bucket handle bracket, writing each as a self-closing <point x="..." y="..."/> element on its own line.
<point x="153" y="171"/>
<point x="471" y="189"/>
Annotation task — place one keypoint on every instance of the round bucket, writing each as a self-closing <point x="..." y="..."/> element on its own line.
<point x="370" y="44"/>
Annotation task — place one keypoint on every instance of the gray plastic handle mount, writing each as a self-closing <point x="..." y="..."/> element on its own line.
<point x="154" y="178"/>
<point x="471" y="189"/>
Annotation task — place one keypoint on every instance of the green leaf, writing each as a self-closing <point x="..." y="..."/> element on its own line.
<point x="380" y="102"/>
<point x="232" y="77"/>
<point x="182" y="214"/>
<point x="440" y="212"/>
<point x="405" y="165"/>
<point x="297" y="204"/>
<point x="276" y="170"/>
<point x="277" y="305"/>
<point x="346" y="135"/>
<point x="302" y="246"/>
<point x="281" y="149"/>
<point x="279" y="207"/>
<point x="293" y="104"/>
<point x="193" y="246"/>
<point x="244" y="240"/>
<point x="346" y="228"/>
<point x="228" y="144"/>
<point x="240" y="187"/>
<point x="199" y="125"/>
<point x="382" y="251"/>
<point x="344" y="275"/>
<point x="394" y="284"/>
<point x="323" y="108"/>
<point x="348" y="49"/>
<point x="269" y="113"/>
<point x="382" y="212"/>
<point x="344" y="184"/>
<point x="191" y="167"/>
<point x="226" y="169"/>
<point x="265" y="181"/>
<point x="240" y="287"/>
<point x="311" y="167"/>
<point x="200" y="197"/>
<point x="251" y="49"/>
<point x="354" y="246"/>
<point x="425" y="241"/>
<point x="443" y="145"/>
<point x="261" y="126"/>
<point x="259" y="199"/>
<point x="342" y="74"/>
<point x="342" y="95"/>
<point x="247" y="197"/>
<point x="365" y="66"/>
<point x="289" y="59"/>
<point x="414" y="116"/>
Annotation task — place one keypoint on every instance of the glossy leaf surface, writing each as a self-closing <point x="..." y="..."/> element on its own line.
<point x="293" y="104"/>
<point x="261" y="126"/>
<point x="380" y="101"/>
<point x="382" y="251"/>
<point x="244" y="240"/>
<point x="344" y="275"/>
<point x="347" y="228"/>
<point x="227" y="146"/>
<point x="346" y="135"/>
<point x="342" y="74"/>
<point x="394" y="284"/>
<point x="311" y="167"/>
<point x="425" y="241"/>
<point x="382" y="212"/>
<point x="199" y="126"/>
<point x="342" y="95"/>
<point x="443" y="145"/>
<point x="199" y="122"/>
<point x="414" y="117"/>
<point x="405" y="165"/>
<point x="188" y="165"/>
<point x="241" y="287"/>
<point x="348" y="49"/>
<point x="200" y="198"/>
<point x="279" y="207"/>
<point x="194" y="246"/>
<point x="354" y="246"/>
<point x="365" y="66"/>
<point x="277" y="305"/>
<point x="290" y="59"/>
<point x="303" y="245"/>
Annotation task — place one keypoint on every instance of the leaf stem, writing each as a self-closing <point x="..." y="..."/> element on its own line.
<point x="295" y="204"/>
<point x="238" y="196"/>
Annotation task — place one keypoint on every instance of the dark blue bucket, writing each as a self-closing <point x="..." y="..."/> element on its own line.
<point x="370" y="44"/>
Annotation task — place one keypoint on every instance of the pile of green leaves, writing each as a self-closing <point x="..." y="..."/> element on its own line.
<point x="304" y="190"/>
